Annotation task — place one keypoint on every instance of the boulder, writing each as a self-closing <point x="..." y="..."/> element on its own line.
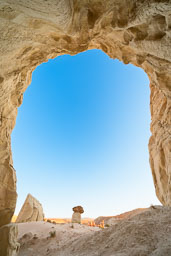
<point x="78" y="209"/>
<point x="8" y="240"/>
<point x="31" y="210"/>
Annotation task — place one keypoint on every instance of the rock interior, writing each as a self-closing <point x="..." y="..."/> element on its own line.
<point x="133" y="31"/>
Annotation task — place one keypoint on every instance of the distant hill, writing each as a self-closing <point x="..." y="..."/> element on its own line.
<point x="107" y="219"/>
<point x="116" y="218"/>
<point x="58" y="220"/>
<point x="67" y="220"/>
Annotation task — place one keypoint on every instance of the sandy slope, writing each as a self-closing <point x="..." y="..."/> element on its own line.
<point x="148" y="233"/>
<point x="35" y="238"/>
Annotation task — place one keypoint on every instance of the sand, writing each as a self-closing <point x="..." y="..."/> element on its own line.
<point x="36" y="238"/>
<point x="148" y="233"/>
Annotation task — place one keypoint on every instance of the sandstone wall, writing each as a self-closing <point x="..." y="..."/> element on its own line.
<point x="133" y="31"/>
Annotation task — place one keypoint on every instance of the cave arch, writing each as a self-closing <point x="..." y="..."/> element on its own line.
<point x="136" y="32"/>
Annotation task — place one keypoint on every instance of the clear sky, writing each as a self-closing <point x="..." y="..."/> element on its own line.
<point x="81" y="137"/>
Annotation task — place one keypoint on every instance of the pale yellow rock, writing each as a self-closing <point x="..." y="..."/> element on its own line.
<point x="133" y="31"/>
<point x="8" y="240"/>
<point x="31" y="210"/>
<point x="76" y="217"/>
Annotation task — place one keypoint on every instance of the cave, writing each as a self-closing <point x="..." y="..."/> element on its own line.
<point x="136" y="32"/>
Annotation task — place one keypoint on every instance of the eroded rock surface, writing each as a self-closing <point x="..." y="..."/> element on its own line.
<point x="78" y="209"/>
<point x="137" y="32"/>
<point x="31" y="210"/>
<point x="8" y="240"/>
<point x="76" y="217"/>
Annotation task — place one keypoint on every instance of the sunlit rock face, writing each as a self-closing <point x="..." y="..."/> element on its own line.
<point x="31" y="210"/>
<point x="137" y="32"/>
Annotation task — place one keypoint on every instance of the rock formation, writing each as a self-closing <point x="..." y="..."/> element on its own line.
<point x="146" y="234"/>
<point x="8" y="240"/>
<point x="76" y="217"/>
<point x="31" y="210"/>
<point x="133" y="31"/>
<point x="114" y="219"/>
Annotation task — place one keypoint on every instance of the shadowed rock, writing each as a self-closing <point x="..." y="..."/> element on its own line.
<point x="8" y="240"/>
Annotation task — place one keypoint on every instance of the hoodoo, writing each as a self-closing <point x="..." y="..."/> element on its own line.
<point x="76" y="217"/>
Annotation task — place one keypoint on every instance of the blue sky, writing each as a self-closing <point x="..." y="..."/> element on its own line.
<point x="81" y="137"/>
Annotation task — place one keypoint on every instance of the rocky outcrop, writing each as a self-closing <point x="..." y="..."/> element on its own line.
<point x="109" y="220"/>
<point x="8" y="240"/>
<point x="137" y="32"/>
<point x="76" y="216"/>
<point x="31" y="210"/>
<point x="146" y="234"/>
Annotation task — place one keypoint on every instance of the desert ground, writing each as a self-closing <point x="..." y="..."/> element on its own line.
<point x="142" y="234"/>
<point x="44" y="238"/>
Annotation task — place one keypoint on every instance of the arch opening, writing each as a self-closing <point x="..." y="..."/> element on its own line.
<point x="84" y="134"/>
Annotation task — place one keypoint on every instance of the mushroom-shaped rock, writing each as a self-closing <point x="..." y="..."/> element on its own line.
<point x="76" y="217"/>
<point x="31" y="211"/>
